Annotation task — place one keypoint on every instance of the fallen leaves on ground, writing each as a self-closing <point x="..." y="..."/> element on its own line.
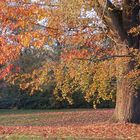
<point x="79" y="124"/>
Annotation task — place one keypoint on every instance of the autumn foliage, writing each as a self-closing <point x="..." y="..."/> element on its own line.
<point x="62" y="44"/>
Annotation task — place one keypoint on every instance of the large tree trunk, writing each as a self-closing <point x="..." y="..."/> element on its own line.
<point x="119" y="22"/>
<point x="128" y="98"/>
<point x="127" y="103"/>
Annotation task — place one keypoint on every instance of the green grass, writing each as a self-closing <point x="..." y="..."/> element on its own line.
<point x="32" y="137"/>
<point x="20" y="137"/>
<point x="24" y="117"/>
<point x="24" y="111"/>
<point x="31" y="117"/>
<point x="21" y="111"/>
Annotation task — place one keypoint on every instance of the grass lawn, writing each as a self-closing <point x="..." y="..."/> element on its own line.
<point x="63" y="124"/>
<point x="66" y="117"/>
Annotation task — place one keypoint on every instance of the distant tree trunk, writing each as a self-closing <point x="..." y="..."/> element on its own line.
<point x="119" y="22"/>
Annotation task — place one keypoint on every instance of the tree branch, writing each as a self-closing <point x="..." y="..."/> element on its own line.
<point x="119" y="21"/>
<point x="104" y="58"/>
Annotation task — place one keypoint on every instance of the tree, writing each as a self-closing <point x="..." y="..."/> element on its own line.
<point x="122" y="25"/>
<point x="75" y="23"/>
<point x="121" y="22"/>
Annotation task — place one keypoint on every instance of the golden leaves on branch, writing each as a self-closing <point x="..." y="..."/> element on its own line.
<point x="64" y="23"/>
<point x="135" y="30"/>
<point x="8" y="52"/>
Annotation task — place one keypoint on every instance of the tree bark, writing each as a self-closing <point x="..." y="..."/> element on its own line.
<point x="119" y="22"/>
<point x="127" y="97"/>
<point x="127" y="104"/>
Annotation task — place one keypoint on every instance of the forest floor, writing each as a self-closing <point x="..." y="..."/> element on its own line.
<point x="75" y="124"/>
